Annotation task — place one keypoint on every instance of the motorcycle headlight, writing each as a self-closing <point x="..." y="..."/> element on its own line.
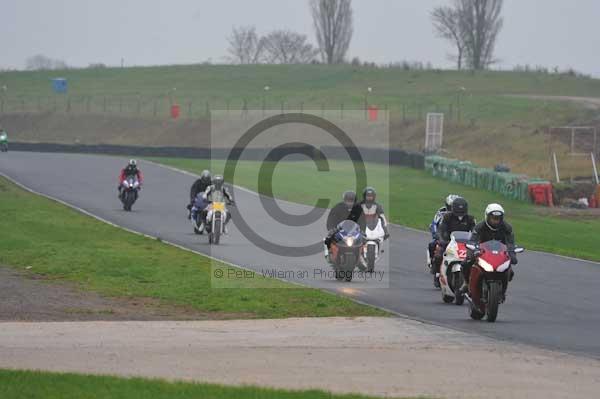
<point x="349" y="241"/>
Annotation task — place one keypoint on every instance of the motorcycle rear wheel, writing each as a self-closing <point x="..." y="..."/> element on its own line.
<point x="457" y="283"/>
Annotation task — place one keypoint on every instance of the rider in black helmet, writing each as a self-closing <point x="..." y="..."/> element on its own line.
<point x="347" y="209"/>
<point x="199" y="186"/>
<point x="458" y="219"/>
<point x="370" y="209"/>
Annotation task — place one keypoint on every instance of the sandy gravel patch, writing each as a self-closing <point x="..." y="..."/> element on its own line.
<point x="380" y="356"/>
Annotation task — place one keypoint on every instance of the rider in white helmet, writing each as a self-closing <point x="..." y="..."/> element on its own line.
<point x="493" y="227"/>
<point x="130" y="170"/>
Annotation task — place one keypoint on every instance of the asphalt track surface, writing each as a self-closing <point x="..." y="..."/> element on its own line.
<point x="552" y="302"/>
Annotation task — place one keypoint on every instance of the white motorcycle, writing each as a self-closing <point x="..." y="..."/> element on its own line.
<point x="373" y="248"/>
<point x="129" y="192"/>
<point x="451" y="278"/>
<point x="216" y="217"/>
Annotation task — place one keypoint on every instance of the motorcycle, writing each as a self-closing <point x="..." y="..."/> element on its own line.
<point x="488" y="279"/>
<point x="129" y="192"/>
<point x="3" y="143"/>
<point x="451" y="278"/>
<point x="216" y="217"/>
<point x="196" y="214"/>
<point x="345" y="250"/>
<point x="372" y="250"/>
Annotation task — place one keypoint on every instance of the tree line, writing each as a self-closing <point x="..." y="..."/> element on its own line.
<point x="471" y="26"/>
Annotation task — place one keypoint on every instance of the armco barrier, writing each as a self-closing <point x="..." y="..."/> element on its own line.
<point x="510" y="185"/>
<point x="376" y="155"/>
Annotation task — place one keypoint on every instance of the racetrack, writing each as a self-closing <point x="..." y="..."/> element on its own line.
<point x="550" y="303"/>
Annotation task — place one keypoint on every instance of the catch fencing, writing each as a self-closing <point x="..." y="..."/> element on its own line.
<point x="510" y="185"/>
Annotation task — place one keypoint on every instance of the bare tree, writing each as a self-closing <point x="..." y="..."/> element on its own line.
<point x="481" y="23"/>
<point x="245" y="47"/>
<point x="447" y="25"/>
<point x="286" y="47"/>
<point x="473" y="25"/>
<point x="333" y="26"/>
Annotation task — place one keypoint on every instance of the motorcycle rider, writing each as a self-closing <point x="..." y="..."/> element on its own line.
<point x="458" y="219"/>
<point x="3" y="137"/>
<point x="347" y="209"/>
<point x="433" y="227"/>
<point x="492" y="228"/>
<point x="199" y="187"/>
<point x="369" y="208"/>
<point x="217" y="186"/>
<point x="130" y="170"/>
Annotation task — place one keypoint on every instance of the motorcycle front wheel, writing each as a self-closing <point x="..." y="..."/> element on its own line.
<point x="494" y="295"/>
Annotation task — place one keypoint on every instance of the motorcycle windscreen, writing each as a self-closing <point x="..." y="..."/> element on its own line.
<point x="349" y="228"/>
<point x="461" y="236"/>
<point x="495" y="247"/>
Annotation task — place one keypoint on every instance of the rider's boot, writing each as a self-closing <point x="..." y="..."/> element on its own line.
<point x="326" y="252"/>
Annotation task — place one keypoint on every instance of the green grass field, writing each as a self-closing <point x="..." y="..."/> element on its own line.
<point x="62" y="244"/>
<point x="483" y="124"/>
<point x="313" y="86"/>
<point x="41" y="385"/>
<point x="413" y="196"/>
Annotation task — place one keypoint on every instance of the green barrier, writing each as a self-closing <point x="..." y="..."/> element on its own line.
<point x="510" y="185"/>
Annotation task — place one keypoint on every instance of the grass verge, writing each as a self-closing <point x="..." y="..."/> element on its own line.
<point x="413" y="198"/>
<point x="36" y="384"/>
<point x="60" y="243"/>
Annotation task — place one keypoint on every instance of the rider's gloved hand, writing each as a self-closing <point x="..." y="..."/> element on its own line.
<point x="386" y="235"/>
<point x="513" y="258"/>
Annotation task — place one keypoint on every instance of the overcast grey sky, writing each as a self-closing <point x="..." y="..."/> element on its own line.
<point x="147" y="32"/>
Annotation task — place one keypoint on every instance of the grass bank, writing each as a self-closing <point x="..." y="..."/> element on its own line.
<point x="62" y="244"/>
<point x="35" y="384"/>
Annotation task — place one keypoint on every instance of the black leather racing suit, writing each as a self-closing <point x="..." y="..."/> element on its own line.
<point x="483" y="233"/>
<point x="449" y="224"/>
<point x="338" y="214"/>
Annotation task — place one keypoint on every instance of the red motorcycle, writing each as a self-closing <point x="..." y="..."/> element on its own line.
<point x="488" y="279"/>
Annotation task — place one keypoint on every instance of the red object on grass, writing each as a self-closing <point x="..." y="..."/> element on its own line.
<point x="541" y="194"/>
<point x="175" y="111"/>
<point x="373" y="112"/>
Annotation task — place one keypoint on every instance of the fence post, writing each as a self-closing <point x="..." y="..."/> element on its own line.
<point x="282" y="106"/>
<point x="139" y="105"/>
<point x="68" y="104"/>
<point x="155" y="110"/>
<point x="121" y="104"/>
<point x="403" y="112"/>
<point x="189" y="110"/>
<point x="245" y="108"/>
<point x="450" y="111"/>
<point x="104" y="105"/>
<point x="2" y="105"/>
<point x="22" y="105"/>
<point x="207" y="109"/>
<point x="302" y="107"/>
<point x="342" y="111"/>
<point x="322" y="110"/>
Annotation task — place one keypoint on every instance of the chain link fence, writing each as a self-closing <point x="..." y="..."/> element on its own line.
<point x="161" y="107"/>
